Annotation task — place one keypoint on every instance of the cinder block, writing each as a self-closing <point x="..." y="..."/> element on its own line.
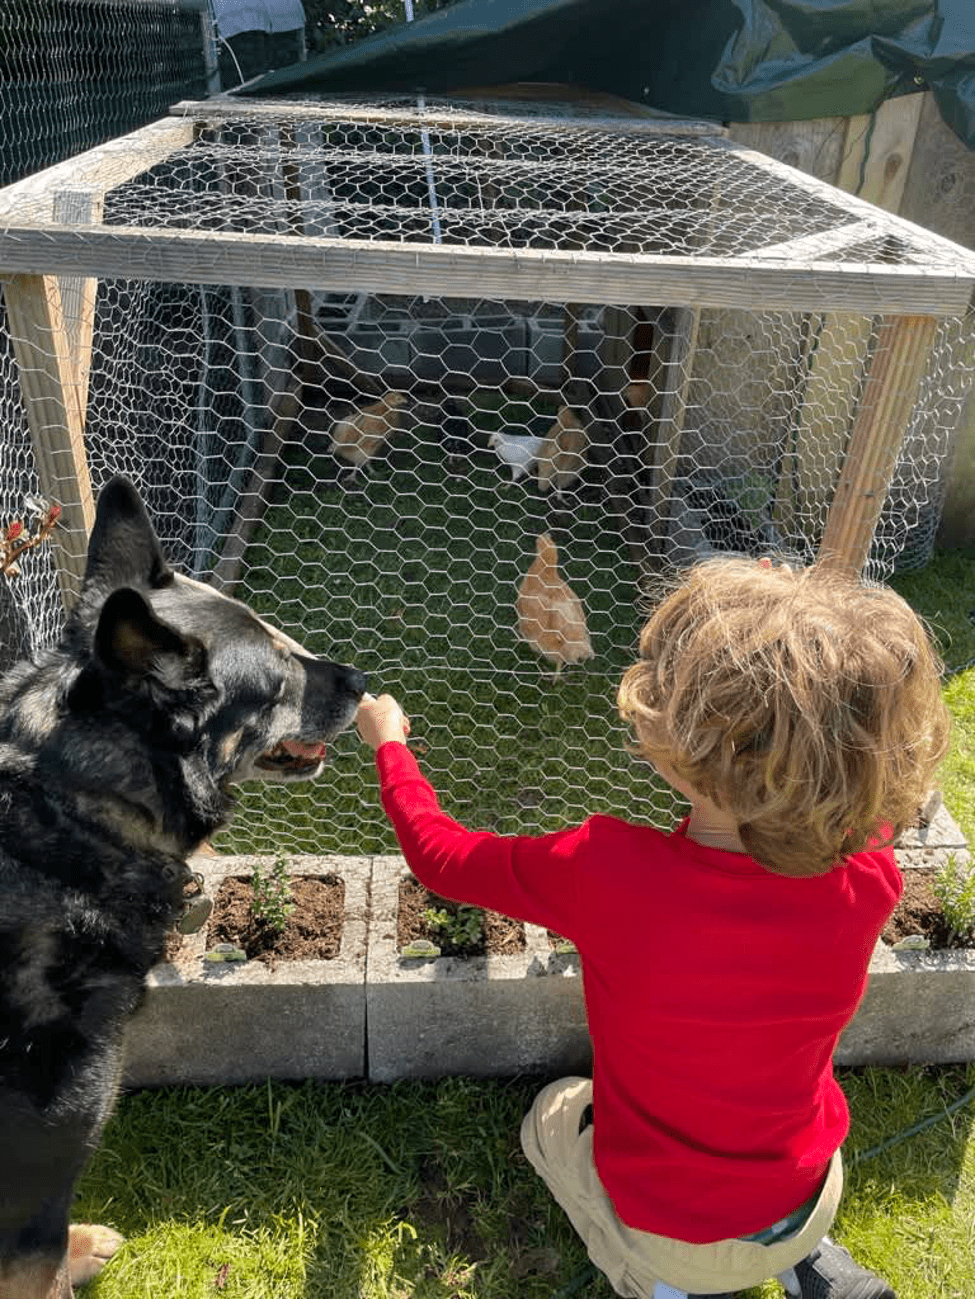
<point x="476" y="1016"/>
<point x="206" y="1023"/>
<point x="919" y="1008"/>
<point x="505" y="1015"/>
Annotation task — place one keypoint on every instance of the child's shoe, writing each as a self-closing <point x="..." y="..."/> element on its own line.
<point x="830" y="1271"/>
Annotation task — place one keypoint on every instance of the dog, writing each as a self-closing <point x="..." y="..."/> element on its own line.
<point x="117" y="751"/>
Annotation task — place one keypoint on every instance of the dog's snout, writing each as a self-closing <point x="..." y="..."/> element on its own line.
<point x="352" y="680"/>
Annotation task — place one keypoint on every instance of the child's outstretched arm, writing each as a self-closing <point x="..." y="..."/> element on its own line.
<point x="532" y="878"/>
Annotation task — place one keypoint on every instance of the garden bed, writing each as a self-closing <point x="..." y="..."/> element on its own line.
<point x="240" y="1021"/>
<point x="397" y="1000"/>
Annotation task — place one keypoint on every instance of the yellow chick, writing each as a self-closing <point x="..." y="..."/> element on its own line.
<point x="359" y="437"/>
<point x="550" y="616"/>
<point x="561" y="458"/>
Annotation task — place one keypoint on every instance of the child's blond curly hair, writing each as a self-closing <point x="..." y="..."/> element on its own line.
<point x="799" y="700"/>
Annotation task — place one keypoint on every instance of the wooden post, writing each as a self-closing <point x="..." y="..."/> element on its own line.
<point x="880" y="427"/>
<point x="79" y="206"/>
<point x="667" y="450"/>
<point x="47" y="384"/>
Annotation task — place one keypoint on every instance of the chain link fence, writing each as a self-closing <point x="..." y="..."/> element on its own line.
<point x="371" y="465"/>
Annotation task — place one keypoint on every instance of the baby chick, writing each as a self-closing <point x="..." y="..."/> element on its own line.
<point x="550" y="616"/>
<point x="561" y="458"/>
<point x="518" y="450"/>
<point x="359" y="437"/>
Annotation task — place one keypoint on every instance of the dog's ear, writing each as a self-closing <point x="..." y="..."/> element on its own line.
<point x="123" y="549"/>
<point x="131" y="640"/>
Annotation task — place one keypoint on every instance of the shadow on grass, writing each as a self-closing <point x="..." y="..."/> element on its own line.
<point x="420" y="1189"/>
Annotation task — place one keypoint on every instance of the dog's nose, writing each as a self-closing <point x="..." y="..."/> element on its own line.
<point x="352" y="680"/>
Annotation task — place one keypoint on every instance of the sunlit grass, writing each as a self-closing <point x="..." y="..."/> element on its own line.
<point x="421" y="1189"/>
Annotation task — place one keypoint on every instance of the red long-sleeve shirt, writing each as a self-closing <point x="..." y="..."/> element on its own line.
<point x="715" y="990"/>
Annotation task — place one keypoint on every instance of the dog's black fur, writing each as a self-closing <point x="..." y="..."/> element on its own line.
<point x="116" y="753"/>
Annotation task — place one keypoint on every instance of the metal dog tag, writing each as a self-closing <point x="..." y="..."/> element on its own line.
<point x="196" y="914"/>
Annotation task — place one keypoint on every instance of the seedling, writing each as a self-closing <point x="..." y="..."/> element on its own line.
<point x="953" y="885"/>
<point x="272" y="901"/>
<point x="461" y="930"/>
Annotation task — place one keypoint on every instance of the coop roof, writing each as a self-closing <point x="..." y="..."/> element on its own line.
<point x="394" y="195"/>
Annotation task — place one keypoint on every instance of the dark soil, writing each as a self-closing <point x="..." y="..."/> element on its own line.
<point x="919" y="912"/>
<point x="500" y="935"/>
<point x="313" y="930"/>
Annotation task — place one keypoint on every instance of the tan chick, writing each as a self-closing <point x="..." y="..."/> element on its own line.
<point x="550" y="616"/>
<point x="561" y="458"/>
<point x="359" y="437"/>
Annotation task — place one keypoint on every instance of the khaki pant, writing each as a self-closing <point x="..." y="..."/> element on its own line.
<point x="634" y="1261"/>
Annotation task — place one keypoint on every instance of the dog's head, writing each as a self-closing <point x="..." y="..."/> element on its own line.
<point x="199" y="671"/>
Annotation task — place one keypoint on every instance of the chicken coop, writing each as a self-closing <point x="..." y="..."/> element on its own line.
<point x="361" y="357"/>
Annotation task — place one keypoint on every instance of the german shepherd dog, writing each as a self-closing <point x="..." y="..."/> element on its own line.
<point x="117" y="749"/>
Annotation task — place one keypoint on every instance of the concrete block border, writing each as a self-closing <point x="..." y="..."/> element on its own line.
<point x="476" y="1015"/>
<point x="209" y="1023"/>
<point x="371" y="1013"/>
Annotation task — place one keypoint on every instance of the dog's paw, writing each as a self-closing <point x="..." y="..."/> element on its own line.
<point x="90" y="1247"/>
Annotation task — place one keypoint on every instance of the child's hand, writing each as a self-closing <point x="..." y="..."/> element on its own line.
<point x="380" y="719"/>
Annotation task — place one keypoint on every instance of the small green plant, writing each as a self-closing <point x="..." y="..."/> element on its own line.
<point x="462" y="930"/>
<point x="272" y="902"/>
<point x="953" y="885"/>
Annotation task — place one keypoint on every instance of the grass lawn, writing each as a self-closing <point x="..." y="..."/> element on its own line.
<point x="420" y="1189"/>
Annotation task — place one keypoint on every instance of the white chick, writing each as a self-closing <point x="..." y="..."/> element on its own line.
<point x="519" y="451"/>
<point x="561" y="458"/>
<point x="550" y="616"/>
<point x="359" y="437"/>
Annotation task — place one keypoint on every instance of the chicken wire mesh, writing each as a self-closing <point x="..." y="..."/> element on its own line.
<point x="76" y="72"/>
<point x="372" y="468"/>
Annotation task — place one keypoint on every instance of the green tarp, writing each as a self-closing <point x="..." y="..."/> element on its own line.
<point x="727" y="60"/>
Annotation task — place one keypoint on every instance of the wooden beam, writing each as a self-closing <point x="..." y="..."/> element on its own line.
<point x="897" y="368"/>
<point x="877" y="151"/>
<point x="47" y="381"/>
<point x="942" y="250"/>
<point x="812" y="248"/>
<point x="836" y="360"/>
<point x="382" y="266"/>
<point x="666" y="450"/>
<point x="79" y="207"/>
<point x="104" y="168"/>
<point x="435" y="116"/>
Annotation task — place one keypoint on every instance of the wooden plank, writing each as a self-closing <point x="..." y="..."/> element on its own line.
<point x="667" y="449"/>
<point x="812" y="248"/>
<point x="939" y="189"/>
<point x="46" y="377"/>
<point x="836" y="363"/>
<point x="104" y="168"/>
<point x="222" y="108"/>
<point x="79" y="207"/>
<point x="877" y="150"/>
<point x="381" y="266"/>
<point x="812" y="146"/>
<point x="859" y="208"/>
<point x="285" y="408"/>
<point x="897" y="367"/>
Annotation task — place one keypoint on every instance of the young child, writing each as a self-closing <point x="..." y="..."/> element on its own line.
<point x="800" y="714"/>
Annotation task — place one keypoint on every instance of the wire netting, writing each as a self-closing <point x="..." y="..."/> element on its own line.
<point x="372" y="469"/>
<point x="76" y="72"/>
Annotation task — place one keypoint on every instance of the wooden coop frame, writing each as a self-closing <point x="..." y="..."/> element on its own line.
<point x="53" y="246"/>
